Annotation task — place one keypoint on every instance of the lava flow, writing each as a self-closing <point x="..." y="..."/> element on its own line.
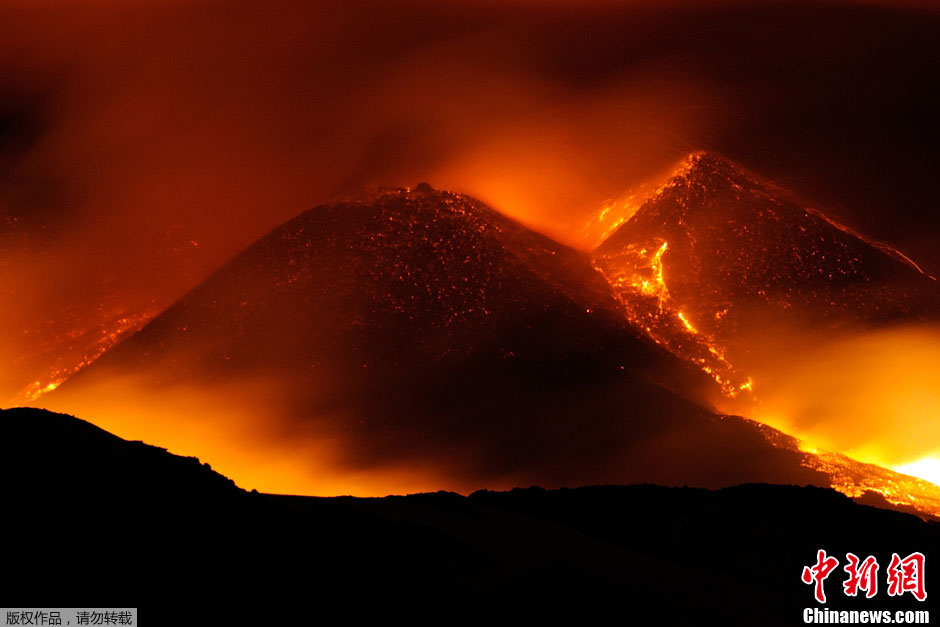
<point x="70" y="352"/>
<point x="416" y="333"/>
<point x="637" y="277"/>
<point x="726" y="272"/>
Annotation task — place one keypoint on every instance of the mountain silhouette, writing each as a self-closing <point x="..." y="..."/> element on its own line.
<point x="420" y="326"/>
<point x="87" y="514"/>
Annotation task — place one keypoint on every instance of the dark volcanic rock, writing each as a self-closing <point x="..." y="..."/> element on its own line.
<point x="734" y="240"/>
<point x="396" y="282"/>
<point x="739" y="259"/>
<point x="429" y="328"/>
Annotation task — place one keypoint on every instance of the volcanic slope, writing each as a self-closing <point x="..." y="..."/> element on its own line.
<point x="422" y="327"/>
<point x="716" y="261"/>
<point x="727" y="272"/>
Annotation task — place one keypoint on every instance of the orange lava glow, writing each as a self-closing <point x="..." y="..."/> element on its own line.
<point x="861" y="402"/>
<point x="221" y="427"/>
<point x="151" y="165"/>
<point x="612" y="214"/>
<point x="874" y="397"/>
<point x="639" y="282"/>
<point x="855" y="479"/>
<point x="926" y="468"/>
<point x="76" y="349"/>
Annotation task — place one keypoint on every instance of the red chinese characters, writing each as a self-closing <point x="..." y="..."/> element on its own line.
<point x="907" y="575"/>
<point x="862" y="576"/>
<point x="903" y="575"/>
<point x="818" y="573"/>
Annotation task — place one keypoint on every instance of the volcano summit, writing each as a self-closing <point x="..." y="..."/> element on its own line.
<point x="716" y="262"/>
<point x="420" y="327"/>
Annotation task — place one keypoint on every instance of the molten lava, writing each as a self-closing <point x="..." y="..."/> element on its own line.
<point x="727" y="273"/>
<point x="637" y="276"/>
<point x="74" y="349"/>
<point x="857" y="480"/>
<point x="415" y="332"/>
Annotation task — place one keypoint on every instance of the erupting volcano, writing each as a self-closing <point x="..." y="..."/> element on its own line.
<point x="716" y="257"/>
<point x="421" y="331"/>
<point x="419" y="328"/>
<point x="638" y="350"/>
<point x="721" y="269"/>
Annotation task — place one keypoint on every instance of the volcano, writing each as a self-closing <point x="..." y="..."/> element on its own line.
<point x="415" y="326"/>
<point x="736" y="276"/>
<point x="716" y="261"/>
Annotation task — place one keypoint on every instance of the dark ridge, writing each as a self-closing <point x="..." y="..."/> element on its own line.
<point x="88" y="516"/>
<point x="39" y="449"/>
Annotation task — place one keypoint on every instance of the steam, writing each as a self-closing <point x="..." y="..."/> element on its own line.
<point x="874" y="396"/>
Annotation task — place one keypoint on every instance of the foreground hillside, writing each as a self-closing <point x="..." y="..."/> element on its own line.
<point x="88" y="516"/>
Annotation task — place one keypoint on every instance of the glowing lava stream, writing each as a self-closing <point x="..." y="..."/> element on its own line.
<point x="611" y="216"/>
<point x="71" y="361"/>
<point x="638" y="280"/>
<point x="926" y="468"/>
